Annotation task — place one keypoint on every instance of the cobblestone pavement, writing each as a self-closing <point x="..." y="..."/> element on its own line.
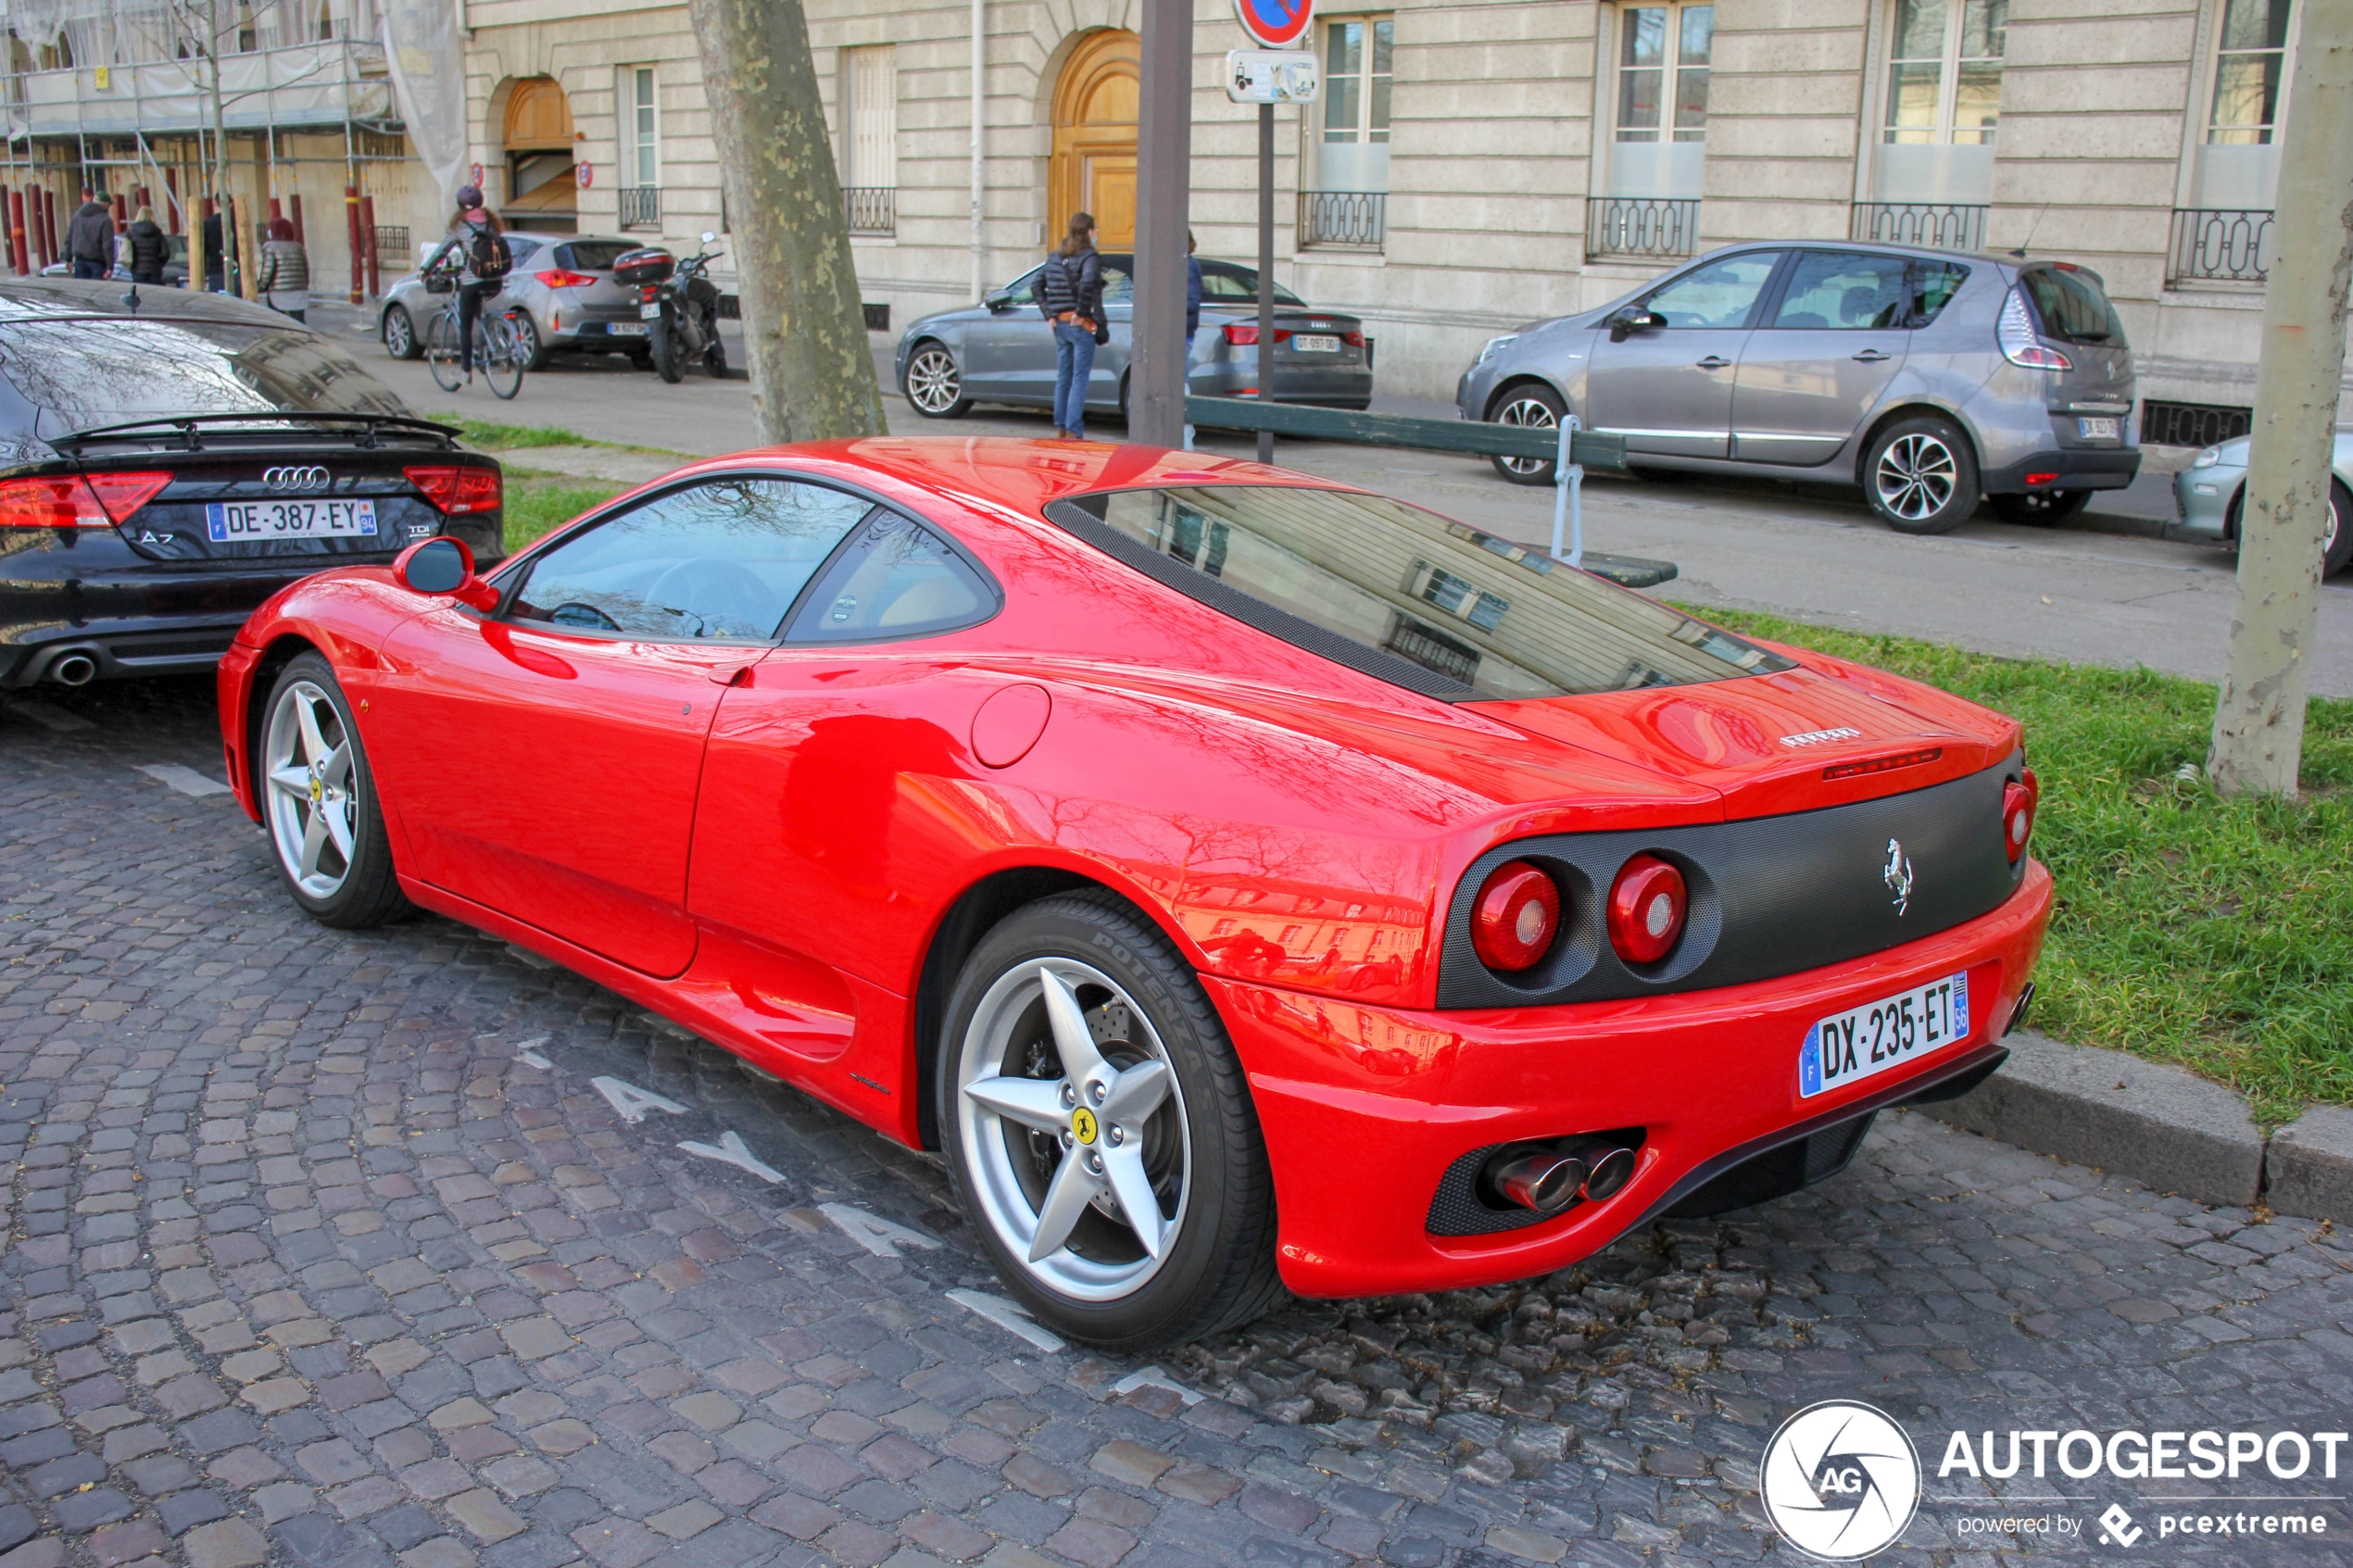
<point x="329" y="1250"/>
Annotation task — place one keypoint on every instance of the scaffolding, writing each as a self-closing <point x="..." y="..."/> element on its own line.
<point x="144" y="99"/>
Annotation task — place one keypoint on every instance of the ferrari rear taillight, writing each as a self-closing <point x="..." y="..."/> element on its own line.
<point x="1647" y="904"/>
<point x="455" y="489"/>
<point x="2019" y="798"/>
<point x="1517" y="915"/>
<point x="64" y="500"/>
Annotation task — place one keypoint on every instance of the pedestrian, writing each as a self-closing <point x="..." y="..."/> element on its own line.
<point x="285" y="270"/>
<point x="216" y="263"/>
<point x="484" y="260"/>
<point x="1192" y="321"/>
<point x="149" y="247"/>
<point x="1071" y="296"/>
<point x="90" y="240"/>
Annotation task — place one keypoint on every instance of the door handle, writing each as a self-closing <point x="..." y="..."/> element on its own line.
<point x="1870" y="357"/>
<point x="730" y="674"/>
<point x="1713" y="363"/>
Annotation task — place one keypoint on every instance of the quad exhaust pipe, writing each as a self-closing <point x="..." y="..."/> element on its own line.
<point x="73" y="668"/>
<point x="1550" y="1181"/>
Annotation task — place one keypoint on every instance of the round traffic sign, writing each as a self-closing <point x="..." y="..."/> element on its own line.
<point x="1276" y="24"/>
<point x="586" y="173"/>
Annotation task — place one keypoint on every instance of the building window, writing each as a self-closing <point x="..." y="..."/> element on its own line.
<point x="1945" y="72"/>
<point x="1662" y="61"/>
<point x="870" y="138"/>
<point x="639" y="139"/>
<point x="2250" y="65"/>
<point x="1349" y="205"/>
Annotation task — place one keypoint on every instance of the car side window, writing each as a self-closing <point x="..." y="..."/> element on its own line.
<point x="896" y="579"/>
<point x="1023" y="289"/>
<point x="1118" y="287"/>
<point x="1851" y="290"/>
<point x="721" y="560"/>
<point x="1933" y="285"/>
<point x="1719" y="294"/>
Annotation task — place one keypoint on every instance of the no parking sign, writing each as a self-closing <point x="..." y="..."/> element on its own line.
<point x="1276" y="24"/>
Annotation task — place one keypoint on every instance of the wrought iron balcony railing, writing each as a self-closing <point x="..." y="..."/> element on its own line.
<point x="640" y="207"/>
<point x="873" y="209"/>
<point x="2213" y="245"/>
<point x="1343" y="217"/>
<point x="1644" y="228"/>
<point x="1939" y="225"/>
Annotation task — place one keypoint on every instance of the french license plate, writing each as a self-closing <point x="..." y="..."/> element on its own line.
<point x="2099" y="430"/>
<point x="1848" y="1046"/>
<point x="650" y="312"/>
<point x="625" y="329"/>
<point x="237" y="522"/>
<point x="1315" y="343"/>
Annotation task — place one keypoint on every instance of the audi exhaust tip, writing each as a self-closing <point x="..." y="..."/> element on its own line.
<point x="1546" y="1183"/>
<point x="73" y="669"/>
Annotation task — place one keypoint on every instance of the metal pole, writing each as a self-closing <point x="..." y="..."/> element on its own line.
<point x="1568" y="498"/>
<point x="979" y="170"/>
<point x="1265" y="271"/>
<point x="1164" y="187"/>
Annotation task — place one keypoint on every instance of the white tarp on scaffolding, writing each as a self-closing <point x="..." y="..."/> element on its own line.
<point x="426" y="54"/>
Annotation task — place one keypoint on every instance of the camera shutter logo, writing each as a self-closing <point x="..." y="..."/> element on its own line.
<point x="1839" y="1480"/>
<point x="292" y="478"/>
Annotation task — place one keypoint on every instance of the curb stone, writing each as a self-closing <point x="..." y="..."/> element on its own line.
<point x="2164" y="1125"/>
<point x="2310" y="1164"/>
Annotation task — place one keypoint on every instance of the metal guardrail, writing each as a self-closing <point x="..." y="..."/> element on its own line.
<point x="640" y="207"/>
<point x="1645" y="227"/>
<point x="871" y="209"/>
<point x="1570" y="449"/>
<point x="1938" y="225"/>
<point x="1343" y="217"/>
<point x="2221" y="244"/>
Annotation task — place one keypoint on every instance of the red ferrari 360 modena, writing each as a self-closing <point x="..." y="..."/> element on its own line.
<point x="1245" y="880"/>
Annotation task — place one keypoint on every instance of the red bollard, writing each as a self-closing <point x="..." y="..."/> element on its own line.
<point x="12" y="214"/>
<point x="359" y="257"/>
<point x="368" y="237"/>
<point x="172" y="214"/>
<point x="121" y="215"/>
<point x="294" y="205"/>
<point x="276" y="211"/>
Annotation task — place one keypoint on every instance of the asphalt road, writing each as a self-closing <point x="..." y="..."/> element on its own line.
<point x="2108" y="593"/>
<point x="337" y="1250"/>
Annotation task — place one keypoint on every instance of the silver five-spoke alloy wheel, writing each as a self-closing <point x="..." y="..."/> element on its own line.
<point x="933" y="384"/>
<point x="312" y="806"/>
<point x="1916" y="476"/>
<point x="1073" y="1127"/>
<point x="1532" y="411"/>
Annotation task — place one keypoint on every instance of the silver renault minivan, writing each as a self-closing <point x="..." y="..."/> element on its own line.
<point x="1932" y="378"/>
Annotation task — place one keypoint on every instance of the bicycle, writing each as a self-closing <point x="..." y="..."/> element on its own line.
<point x="498" y="351"/>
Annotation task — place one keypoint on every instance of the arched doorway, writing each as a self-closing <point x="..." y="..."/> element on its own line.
<point x="1094" y="162"/>
<point x="542" y="191"/>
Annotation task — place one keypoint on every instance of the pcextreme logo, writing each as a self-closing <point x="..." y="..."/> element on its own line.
<point x="1841" y="1480"/>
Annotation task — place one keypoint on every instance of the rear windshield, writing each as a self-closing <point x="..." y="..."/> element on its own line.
<point x="81" y="372"/>
<point x="1218" y="283"/>
<point x="2073" y="307"/>
<point x="594" y="256"/>
<point x="1405" y="594"/>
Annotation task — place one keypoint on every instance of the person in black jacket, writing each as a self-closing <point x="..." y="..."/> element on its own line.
<point x="90" y="240"/>
<point x="1070" y="292"/>
<point x="216" y="264"/>
<point x="149" y="247"/>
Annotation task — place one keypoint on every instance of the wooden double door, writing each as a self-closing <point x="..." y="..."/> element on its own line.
<point x="1094" y="160"/>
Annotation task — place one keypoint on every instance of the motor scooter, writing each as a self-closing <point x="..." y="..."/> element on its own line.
<point x="679" y="305"/>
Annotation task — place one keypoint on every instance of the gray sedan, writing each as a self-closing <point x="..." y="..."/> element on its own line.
<point x="1002" y="349"/>
<point x="2211" y="492"/>
<point x="565" y="285"/>
<point x="1928" y="378"/>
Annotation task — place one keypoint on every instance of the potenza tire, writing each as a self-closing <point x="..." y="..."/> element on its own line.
<point x="1085" y="1081"/>
<point x="318" y="802"/>
<point x="1921" y="475"/>
<point x="934" y="384"/>
<point x="1539" y="406"/>
<point x="400" y="333"/>
<point x="2045" y="508"/>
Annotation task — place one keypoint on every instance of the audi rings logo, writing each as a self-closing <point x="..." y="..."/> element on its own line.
<point x="1839" y="1480"/>
<point x="297" y="478"/>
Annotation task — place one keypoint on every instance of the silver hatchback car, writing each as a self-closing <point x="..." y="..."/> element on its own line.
<point x="1929" y="378"/>
<point x="565" y="285"/>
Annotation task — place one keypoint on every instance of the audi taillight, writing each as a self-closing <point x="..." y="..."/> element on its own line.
<point x="1244" y="335"/>
<point x="1647" y="906"/>
<point x="563" y="278"/>
<point x="1353" y="340"/>
<point x="455" y="489"/>
<point x="1515" y="918"/>
<point x="64" y="500"/>
<point x="2019" y="798"/>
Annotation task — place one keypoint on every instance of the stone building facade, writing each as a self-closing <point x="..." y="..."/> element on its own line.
<point x="1475" y="164"/>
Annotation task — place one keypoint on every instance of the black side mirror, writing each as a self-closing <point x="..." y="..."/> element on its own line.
<point x="998" y="302"/>
<point x="1635" y="320"/>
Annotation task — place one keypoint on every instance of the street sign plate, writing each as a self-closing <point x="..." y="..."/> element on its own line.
<point x="1271" y="76"/>
<point x="1276" y="24"/>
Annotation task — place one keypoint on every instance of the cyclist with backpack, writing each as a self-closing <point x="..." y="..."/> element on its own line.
<point x="485" y="261"/>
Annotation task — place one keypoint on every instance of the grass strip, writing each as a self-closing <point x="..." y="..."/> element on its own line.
<point x="537" y="507"/>
<point x="2214" y="933"/>
<point x="490" y="433"/>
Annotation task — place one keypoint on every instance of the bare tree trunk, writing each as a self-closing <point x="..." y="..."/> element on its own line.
<point x="2259" y="722"/>
<point x="812" y="374"/>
